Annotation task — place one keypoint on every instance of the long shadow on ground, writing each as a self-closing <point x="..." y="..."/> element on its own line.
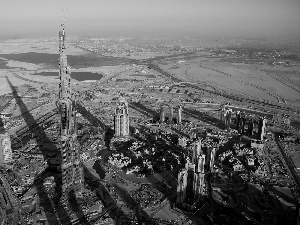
<point x="204" y="117"/>
<point x="96" y="122"/>
<point x="140" y="214"/>
<point x="168" y="189"/>
<point x="98" y="168"/>
<point x="89" y="116"/>
<point x="139" y="110"/>
<point x="39" y="132"/>
<point x="144" y="110"/>
<point x="102" y="193"/>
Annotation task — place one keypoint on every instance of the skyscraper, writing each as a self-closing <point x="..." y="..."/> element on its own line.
<point x="6" y="156"/>
<point x="212" y="159"/>
<point x="121" y="119"/>
<point x="199" y="183"/>
<point x="191" y="183"/>
<point x="179" y="114"/>
<point x="263" y="129"/>
<point x="196" y="151"/>
<point x="162" y="114"/>
<point x="72" y="176"/>
<point x="171" y="115"/>
<point x="182" y="185"/>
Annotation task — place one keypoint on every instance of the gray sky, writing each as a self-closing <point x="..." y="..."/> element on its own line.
<point x="220" y="18"/>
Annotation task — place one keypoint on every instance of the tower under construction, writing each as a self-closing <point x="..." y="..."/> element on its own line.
<point x="72" y="176"/>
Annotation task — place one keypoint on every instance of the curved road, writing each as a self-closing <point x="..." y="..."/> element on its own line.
<point x="229" y="96"/>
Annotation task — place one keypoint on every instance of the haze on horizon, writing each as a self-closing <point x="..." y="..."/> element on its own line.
<point x="207" y="18"/>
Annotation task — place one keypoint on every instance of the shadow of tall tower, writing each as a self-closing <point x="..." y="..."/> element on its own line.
<point x="38" y="131"/>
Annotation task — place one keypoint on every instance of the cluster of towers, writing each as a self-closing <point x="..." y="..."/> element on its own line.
<point x="191" y="182"/>
<point x="72" y="176"/>
<point x="226" y="115"/>
<point x="241" y="120"/>
<point x="121" y="119"/>
<point x="171" y="114"/>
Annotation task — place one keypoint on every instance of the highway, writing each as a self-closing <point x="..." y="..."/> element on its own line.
<point x="289" y="163"/>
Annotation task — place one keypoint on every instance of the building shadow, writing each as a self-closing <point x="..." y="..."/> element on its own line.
<point x="282" y="195"/>
<point x="38" y="131"/>
<point x="75" y="208"/>
<point x="108" y="135"/>
<point x="47" y="205"/>
<point x="144" y="110"/>
<point x="139" y="110"/>
<point x="167" y="189"/>
<point x="109" y="203"/>
<point x="140" y="214"/>
<point x="204" y="117"/>
<point x="98" y="168"/>
<point x="270" y="207"/>
<point x="89" y="116"/>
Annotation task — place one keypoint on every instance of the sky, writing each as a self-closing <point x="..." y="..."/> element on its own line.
<point x="207" y="18"/>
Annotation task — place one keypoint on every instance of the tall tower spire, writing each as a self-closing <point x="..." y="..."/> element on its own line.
<point x="72" y="176"/>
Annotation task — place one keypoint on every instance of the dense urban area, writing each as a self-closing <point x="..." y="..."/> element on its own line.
<point x="130" y="131"/>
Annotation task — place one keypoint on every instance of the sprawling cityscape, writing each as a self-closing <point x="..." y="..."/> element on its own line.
<point x="124" y="130"/>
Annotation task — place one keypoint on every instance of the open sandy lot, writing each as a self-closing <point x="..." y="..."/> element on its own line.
<point x="251" y="80"/>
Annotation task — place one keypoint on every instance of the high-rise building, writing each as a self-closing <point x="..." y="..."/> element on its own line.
<point x="200" y="163"/>
<point x="222" y="112"/>
<point x="72" y="176"/>
<point x="6" y="156"/>
<point x="182" y="185"/>
<point x="121" y="119"/>
<point x="227" y="116"/>
<point x="171" y="115"/>
<point x="238" y="121"/>
<point x="199" y="182"/>
<point x="179" y="114"/>
<point x="263" y="129"/>
<point x="198" y="186"/>
<point x="162" y="114"/>
<point x="191" y="183"/>
<point x="212" y="159"/>
<point x="196" y="151"/>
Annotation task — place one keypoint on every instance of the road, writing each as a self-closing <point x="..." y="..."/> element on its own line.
<point x="289" y="163"/>
<point x="229" y="96"/>
<point x="12" y="215"/>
